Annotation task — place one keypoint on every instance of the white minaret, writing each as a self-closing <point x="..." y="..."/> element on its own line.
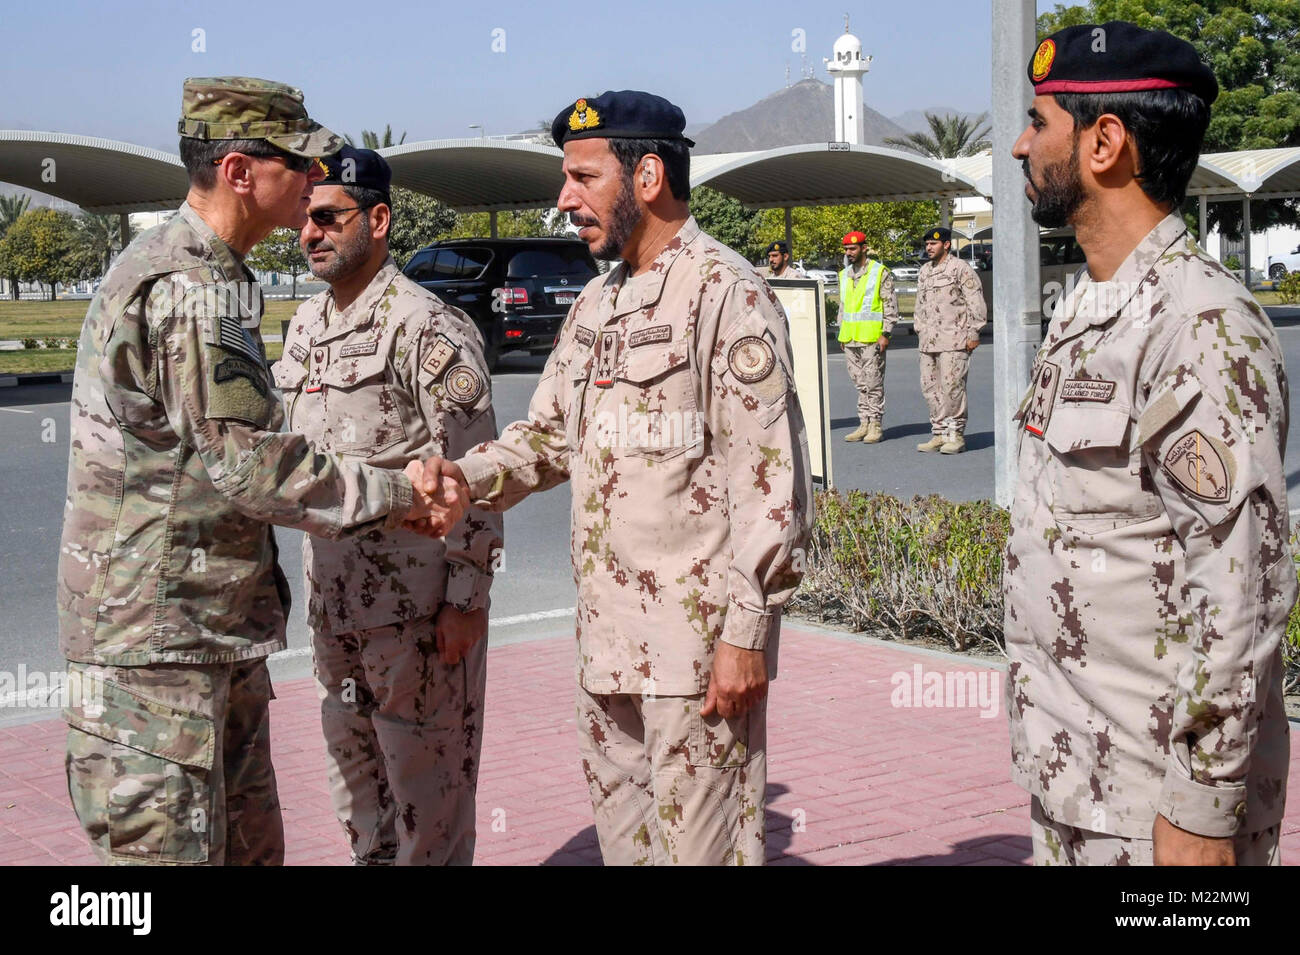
<point x="846" y="65"/>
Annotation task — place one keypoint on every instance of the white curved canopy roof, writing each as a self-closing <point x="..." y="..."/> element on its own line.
<point x="100" y="175"/>
<point x="471" y="175"/>
<point x="477" y="175"/>
<point x="829" y="174"/>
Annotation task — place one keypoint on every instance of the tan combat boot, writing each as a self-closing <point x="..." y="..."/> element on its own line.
<point x="874" y="433"/>
<point x="955" y="444"/>
<point x="859" y="434"/>
<point x="934" y="444"/>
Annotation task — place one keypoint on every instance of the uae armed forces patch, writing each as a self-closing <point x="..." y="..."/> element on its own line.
<point x="751" y="359"/>
<point x="463" y="384"/>
<point x="1198" y="465"/>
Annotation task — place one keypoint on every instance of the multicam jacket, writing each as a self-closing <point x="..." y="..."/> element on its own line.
<point x="949" y="305"/>
<point x="177" y="465"/>
<point x="668" y="403"/>
<point x="397" y="376"/>
<point x="1148" y="574"/>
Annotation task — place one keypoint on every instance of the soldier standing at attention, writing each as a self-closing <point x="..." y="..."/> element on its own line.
<point x="377" y="369"/>
<point x="949" y="315"/>
<point x="1148" y="572"/>
<point x="868" y="311"/>
<point x="170" y="597"/>
<point x="668" y="402"/>
<point x="779" y="265"/>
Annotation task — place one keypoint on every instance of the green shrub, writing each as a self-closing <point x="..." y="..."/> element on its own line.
<point x="1232" y="263"/>
<point x="1288" y="287"/>
<point x="31" y="343"/>
<point x="926" y="568"/>
<point x="56" y="343"/>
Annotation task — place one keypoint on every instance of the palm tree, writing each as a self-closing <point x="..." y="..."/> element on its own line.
<point x="949" y="137"/>
<point x="102" y="235"/>
<point x="11" y="208"/>
<point x="372" y="140"/>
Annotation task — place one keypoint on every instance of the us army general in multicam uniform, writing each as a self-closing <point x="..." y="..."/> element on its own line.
<point x="169" y="594"/>
<point x="668" y="404"/>
<point x="949" y="315"/>
<point x="377" y="369"/>
<point x="1148" y="574"/>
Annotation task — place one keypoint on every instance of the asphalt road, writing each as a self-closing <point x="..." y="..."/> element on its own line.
<point x="534" y="593"/>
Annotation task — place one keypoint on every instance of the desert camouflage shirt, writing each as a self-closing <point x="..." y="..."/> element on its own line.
<point x="177" y="465"/>
<point x="668" y="402"/>
<point x="1148" y="574"/>
<point x="397" y="376"/>
<point x="949" y="305"/>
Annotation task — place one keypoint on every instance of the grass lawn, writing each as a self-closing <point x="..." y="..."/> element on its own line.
<point x="58" y="319"/>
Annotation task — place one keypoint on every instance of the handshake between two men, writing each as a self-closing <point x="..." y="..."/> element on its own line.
<point x="440" y="497"/>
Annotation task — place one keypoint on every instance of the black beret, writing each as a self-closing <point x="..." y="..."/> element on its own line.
<point x="1118" y="57"/>
<point x="357" y="167"/>
<point x="625" y="114"/>
<point x="779" y="246"/>
<point x="939" y="232"/>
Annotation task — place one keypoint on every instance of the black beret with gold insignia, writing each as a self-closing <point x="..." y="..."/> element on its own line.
<point x="939" y="233"/>
<point x="625" y="114"/>
<point x="351" y="166"/>
<point x="1118" y="57"/>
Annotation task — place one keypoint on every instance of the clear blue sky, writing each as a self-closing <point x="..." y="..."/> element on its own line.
<point x="114" y="69"/>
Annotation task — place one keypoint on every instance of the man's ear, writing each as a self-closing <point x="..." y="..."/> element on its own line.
<point x="381" y="220"/>
<point x="1108" y="145"/>
<point x="650" y="178"/>
<point x="236" y="171"/>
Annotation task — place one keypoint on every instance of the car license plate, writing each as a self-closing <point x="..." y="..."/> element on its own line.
<point x="565" y="298"/>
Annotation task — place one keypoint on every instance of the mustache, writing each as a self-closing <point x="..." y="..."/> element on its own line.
<point x="582" y="221"/>
<point x="320" y="245"/>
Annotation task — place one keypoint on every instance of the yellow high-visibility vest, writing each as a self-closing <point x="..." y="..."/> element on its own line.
<point x="859" y="323"/>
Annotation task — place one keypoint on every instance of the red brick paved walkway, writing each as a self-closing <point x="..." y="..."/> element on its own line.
<point x="852" y="779"/>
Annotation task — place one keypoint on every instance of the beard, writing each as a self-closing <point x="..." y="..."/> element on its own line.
<point x="623" y="220"/>
<point x="349" y="255"/>
<point x="1059" y="194"/>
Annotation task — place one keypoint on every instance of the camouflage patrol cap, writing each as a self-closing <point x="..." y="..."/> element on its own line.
<point x="243" y="107"/>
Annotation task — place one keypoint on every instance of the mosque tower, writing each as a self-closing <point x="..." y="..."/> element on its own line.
<point x="846" y="65"/>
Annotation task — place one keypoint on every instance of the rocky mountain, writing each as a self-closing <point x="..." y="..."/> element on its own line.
<point x="801" y="113"/>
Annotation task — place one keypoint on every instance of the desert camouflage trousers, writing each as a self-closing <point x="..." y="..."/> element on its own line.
<point x="170" y="764"/>
<point x="403" y="734"/>
<point x="943" y="382"/>
<point x="866" y="365"/>
<point x="670" y="787"/>
<point x="1059" y="844"/>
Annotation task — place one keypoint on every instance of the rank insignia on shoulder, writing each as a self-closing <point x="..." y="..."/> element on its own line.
<point x="751" y="359"/>
<point x="463" y="384"/>
<point x="1195" y="464"/>
<point x="1039" y="412"/>
<point x="609" y="347"/>
<point x="319" y="358"/>
<point x="440" y="356"/>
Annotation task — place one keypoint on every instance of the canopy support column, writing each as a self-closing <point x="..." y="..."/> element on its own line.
<point x="124" y="227"/>
<point x="492" y="223"/>
<point x="1200" y="236"/>
<point x="789" y="230"/>
<point x="1245" y="231"/>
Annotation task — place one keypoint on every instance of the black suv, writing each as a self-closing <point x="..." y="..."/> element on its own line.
<point x="517" y="291"/>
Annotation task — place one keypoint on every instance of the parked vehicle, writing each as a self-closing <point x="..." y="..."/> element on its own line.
<point x="517" y="291"/>
<point x="1280" y="265"/>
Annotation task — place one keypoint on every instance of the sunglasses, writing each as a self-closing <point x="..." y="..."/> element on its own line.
<point x="291" y="162"/>
<point x="327" y="217"/>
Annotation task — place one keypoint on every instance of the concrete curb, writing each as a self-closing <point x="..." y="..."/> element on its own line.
<point x="36" y="378"/>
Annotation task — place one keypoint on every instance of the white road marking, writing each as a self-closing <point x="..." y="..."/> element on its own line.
<point x="15" y="410"/>
<point x="492" y="622"/>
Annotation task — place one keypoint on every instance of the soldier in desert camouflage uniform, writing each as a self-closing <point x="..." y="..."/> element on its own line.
<point x="1148" y="574"/>
<point x="668" y="404"/>
<point x="868" y="313"/>
<point x="779" y="265"/>
<point x="377" y="369"/>
<point x="949" y="315"/>
<point x="169" y="594"/>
